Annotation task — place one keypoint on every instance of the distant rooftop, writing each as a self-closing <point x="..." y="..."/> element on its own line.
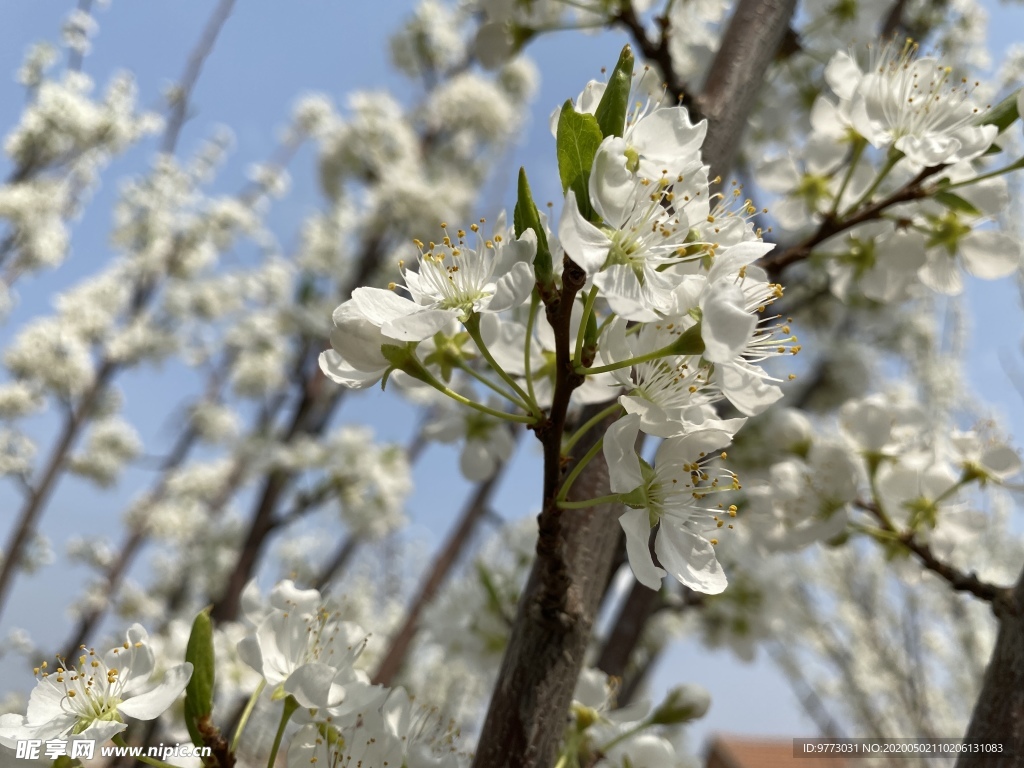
<point x="745" y="752"/>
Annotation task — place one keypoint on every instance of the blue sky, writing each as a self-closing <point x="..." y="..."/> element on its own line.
<point x="270" y="53"/>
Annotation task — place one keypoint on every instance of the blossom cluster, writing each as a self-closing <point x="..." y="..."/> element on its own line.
<point x="670" y="320"/>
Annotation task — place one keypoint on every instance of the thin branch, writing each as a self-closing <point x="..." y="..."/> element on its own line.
<point x="1001" y="598"/>
<point x="775" y="262"/>
<point x="182" y="96"/>
<point x="656" y="51"/>
<point x="473" y="513"/>
<point x="75" y="56"/>
<point x="338" y="562"/>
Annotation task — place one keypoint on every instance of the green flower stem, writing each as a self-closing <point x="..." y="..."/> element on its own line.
<point x="589" y="502"/>
<point x="588" y="308"/>
<point x="473" y="326"/>
<point x="118" y="739"/>
<point x="290" y="705"/>
<point x="567" y="446"/>
<point x="1016" y="166"/>
<point x="425" y="376"/>
<point x="534" y="304"/>
<point x="655" y="355"/>
<point x="890" y="162"/>
<point x="858" y="150"/>
<point x="642" y="725"/>
<point x="492" y="385"/>
<point x="249" y="707"/>
<point x="567" y="484"/>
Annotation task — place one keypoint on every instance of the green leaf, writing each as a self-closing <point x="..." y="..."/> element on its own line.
<point x="526" y="216"/>
<point x="611" y="111"/>
<point x="199" y="691"/>
<point x="1002" y="114"/>
<point x="956" y="203"/>
<point x="578" y="138"/>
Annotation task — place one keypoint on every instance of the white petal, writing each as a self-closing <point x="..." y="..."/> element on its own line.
<point x="583" y="242"/>
<point x="1001" y="461"/>
<point x="285" y="596"/>
<point x="727" y="327"/>
<point x="153" y="703"/>
<point x="989" y="254"/>
<point x="620" y="454"/>
<point x="690" y="558"/>
<point x="337" y="369"/>
<point x="942" y="273"/>
<point x="420" y="325"/>
<point x="612" y="186"/>
<point x="729" y="261"/>
<point x="249" y="652"/>
<point x="843" y="75"/>
<point x="101" y="731"/>
<point x="312" y="685"/>
<point x="653" y="418"/>
<point x="626" y="296"/>
<point x="379" y="305"/>
<point x="513" y="288"/>
<point x="745" y="388"/>
<point x="637" y="527"/>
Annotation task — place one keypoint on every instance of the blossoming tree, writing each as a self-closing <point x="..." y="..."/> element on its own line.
<point x="846" y="510"/>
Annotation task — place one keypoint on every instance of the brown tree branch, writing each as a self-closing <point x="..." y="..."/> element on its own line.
<point x="832" y="225"/>
<point x="1001" y="599"/>
<point x="749" y="45"/>
<point x="444" y="561"/>
<point x="183" y="90"/>
<point x="656" y="51"/>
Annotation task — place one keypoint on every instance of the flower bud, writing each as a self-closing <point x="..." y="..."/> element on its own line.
<point x="683" y="703"/>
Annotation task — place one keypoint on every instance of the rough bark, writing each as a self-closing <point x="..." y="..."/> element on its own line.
<point x="530" y="704"/>
<point x="999" y="711"/>
<point x="750" y="43"/>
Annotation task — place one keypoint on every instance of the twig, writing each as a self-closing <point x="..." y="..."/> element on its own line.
<point x="183" y="90"/>
<point x="658" y="52"/>
<point x="775" y="262"/>
<point x="473" y="513"/>
<point x="1001" y="599"/>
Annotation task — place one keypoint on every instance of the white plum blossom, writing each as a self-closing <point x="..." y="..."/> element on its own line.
<point x="648" y="187"/>
<point x="805" y="501"/>
<point x="914" y="105"/>
<point x="670" y="493"/>
<point x="454" y="281"/>
<point x="984" y="459"/>
<point x="487" y="442"/>
<point x="967" y="239"/>
<point x="92" y="699"/>
<point x="303" y="648"/>
<point x="877" y="259"/>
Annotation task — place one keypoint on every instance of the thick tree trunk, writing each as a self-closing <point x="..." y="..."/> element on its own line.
<point x="999" y="712"/>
